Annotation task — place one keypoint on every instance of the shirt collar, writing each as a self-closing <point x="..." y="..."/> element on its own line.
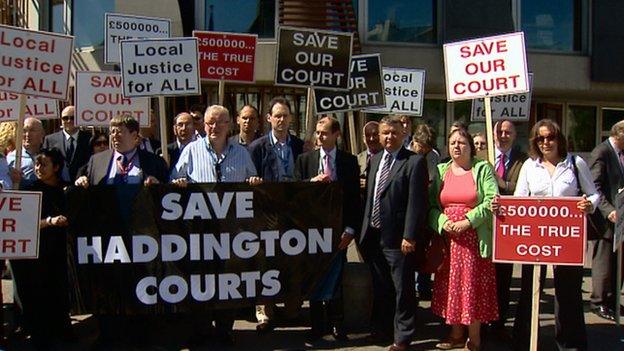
<point x="67" y="135"/>
<point x="497" y="153"/>
<point x="614" y="146"/>
<point x="275" y="141"/>
<point x="331" y="153"/>
<point x="130" y="154"/>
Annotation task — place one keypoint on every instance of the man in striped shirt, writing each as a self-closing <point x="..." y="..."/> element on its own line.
<point x="213" y="159"/>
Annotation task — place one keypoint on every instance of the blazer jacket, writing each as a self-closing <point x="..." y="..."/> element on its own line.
<point x="347" y="174"/>
<point x="403" y="201"/>
<point x="151" y="164"/>
<point x="608" y="178"/>
<point x="265" y="159"/>
<point x="174" y="154"/>
<point x="480" y="217"/>
<point x="82" y="150"/>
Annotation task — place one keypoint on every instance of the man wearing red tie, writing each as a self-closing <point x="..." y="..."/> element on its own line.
<point x="328" y="164"/>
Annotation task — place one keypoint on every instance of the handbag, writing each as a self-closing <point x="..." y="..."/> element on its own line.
<point x="435" y="254"/>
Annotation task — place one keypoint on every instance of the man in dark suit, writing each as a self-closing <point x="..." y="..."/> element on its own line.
<point x="274" y="154"/>
<point x="73" y="144"/>
<point x="607" y="166"/>
<point x="393" y="233"/>
<point x="274" y="157"/>
<point x="328" y="164"/>
<point x="184" y="131"/>
<point x="507" y="164"/>
<point x="248" y="121"/>
<point x="125" y="163"/>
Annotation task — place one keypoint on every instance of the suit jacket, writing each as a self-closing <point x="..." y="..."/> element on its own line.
<point x="403" y="204"/>
<point x="608" y="178"/>
<point x="152" y="165"/>
<point x="82" y="150"/>
<point x="347" y="170"/>
<point x="517" y="158"/>
<point x="174" y="154"/>
<point x="361" y="159"/>
<point x="265" y="159"/>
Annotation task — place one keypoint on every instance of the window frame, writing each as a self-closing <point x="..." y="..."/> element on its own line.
<point x="200" y="17"/>
<point x="362" y="20"/>
<point x="585" y="27"/>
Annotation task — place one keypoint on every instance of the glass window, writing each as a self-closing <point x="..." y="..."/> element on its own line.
<point x="241" y="16"/>
<point x="56" y="16"/>
<point x="611" y="116"/>
<point x="434" y="114"/>
<point x="89" y="21"/>
<point x="411" y="21"/>
<point x="581" y="125"/>
<point x="552" y="25"/>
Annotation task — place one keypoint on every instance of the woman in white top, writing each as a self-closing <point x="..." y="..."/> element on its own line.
<point x="552" y="171"/>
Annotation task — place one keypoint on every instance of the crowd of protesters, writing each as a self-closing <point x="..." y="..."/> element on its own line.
<point x="399" y="198"/>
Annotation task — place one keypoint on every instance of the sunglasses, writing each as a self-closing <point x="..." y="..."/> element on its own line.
<point x="101" y="143"/>
<point x="67" y="118"/>
<point x="541" y="138"/>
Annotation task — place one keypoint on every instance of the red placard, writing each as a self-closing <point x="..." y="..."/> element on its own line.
<point x="226" y="56"/>
<point x="540" y="230"/>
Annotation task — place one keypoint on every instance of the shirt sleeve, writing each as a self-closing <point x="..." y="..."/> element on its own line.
<point x="586" y="182"/>
<point x="5" y="179"/>
<point x="522" y="185"/>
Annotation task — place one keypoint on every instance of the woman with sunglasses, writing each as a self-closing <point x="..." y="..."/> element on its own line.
<point x="99" y="142"/>
<point x="552" y="171"/>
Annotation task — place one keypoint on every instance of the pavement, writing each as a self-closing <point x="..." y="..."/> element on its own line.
<point x="602" y="334"/>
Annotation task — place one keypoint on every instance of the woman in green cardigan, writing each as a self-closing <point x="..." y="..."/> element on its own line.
<point x="464" y="290"/>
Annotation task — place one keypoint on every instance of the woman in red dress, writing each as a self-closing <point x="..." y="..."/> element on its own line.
<point x="464" y="290"/>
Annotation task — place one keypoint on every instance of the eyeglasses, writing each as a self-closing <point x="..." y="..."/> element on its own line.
<point x="67" y="118"/>
<point x="101" y="143"/>
<point x="542" y="138"/>
<point x="216" y="123"/>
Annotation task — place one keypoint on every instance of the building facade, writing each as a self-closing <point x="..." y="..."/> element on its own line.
<point x="573" y="48"/>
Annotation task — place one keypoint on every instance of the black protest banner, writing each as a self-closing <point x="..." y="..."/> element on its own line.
<point x="366" y="88"/>
<point x="164" y="249"/>
<point x="313" y="58"/>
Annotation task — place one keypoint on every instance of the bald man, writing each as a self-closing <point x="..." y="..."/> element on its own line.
<point x="31" y="144"/>
<point x="73" y="144"/>
<point x="373" y="146"/>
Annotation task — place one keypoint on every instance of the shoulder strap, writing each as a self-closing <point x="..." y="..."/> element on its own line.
<point x="576" y="175"/>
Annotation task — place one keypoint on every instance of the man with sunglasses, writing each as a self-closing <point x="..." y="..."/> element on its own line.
<point x="197" y="112"/>
<point x="73" y="143"/>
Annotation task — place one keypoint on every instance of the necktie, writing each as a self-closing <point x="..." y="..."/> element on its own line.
<point x="327" y="168"/>
<point x="122" y="170"/>
<point x="500" y="169"/>
<point x="383" y="180"/>
<point x="69" y="153"/>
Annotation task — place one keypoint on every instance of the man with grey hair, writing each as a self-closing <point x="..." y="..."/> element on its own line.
<point x="31" y="144"/>
<point x="607" y="166"/>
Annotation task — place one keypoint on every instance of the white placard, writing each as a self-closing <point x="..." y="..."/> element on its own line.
<point x="118" y="27"/>
<point x="160" y="67"/>
<point x="38" y="107"/>
<point x="486" y="67"/>
<point x="20" y="212"/>
<point x="99" y="99"/>
<point x="35" y="63"/>
<point x="515" y="107"/>
<point x="405" y="91"/>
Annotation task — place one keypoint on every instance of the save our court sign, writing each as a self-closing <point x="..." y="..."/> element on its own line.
<point x="313" y="58"/>
<point x="484" y="67"/>
<point x="366" y="88"/>
<point x="539" y="230"/>
<point x="20" y="212"/>
<point x="160" y="67"/>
